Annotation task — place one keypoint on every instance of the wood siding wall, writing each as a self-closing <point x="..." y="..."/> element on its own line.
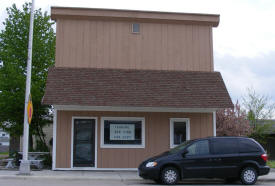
<point x="157" y="136"/>
<point x="111" y="44"/>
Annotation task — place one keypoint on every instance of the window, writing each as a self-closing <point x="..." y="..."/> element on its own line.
<point x="198" y="148"/>
<point x="3" y="135"/>
<point x="225" y="146"/>
<point x="122" y="132"/>
<point x="246" y="146"/>
<point x="180" y="147"/>
<point x="179" y="131"/>
<point x="135" y="28"/>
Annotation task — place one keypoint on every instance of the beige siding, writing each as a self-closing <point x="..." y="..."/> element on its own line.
<point x="63" y="143"/>
<point x="110" y="44"/>
<point x="157" y="137"/>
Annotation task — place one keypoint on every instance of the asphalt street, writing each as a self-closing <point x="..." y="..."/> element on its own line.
<point x="60" y="182"/>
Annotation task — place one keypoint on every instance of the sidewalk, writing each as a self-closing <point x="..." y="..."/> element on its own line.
<point x="73" y="175"/>
<point x="93" y="175"/>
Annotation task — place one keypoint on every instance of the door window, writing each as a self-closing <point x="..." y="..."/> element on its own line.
<point x="198" y="148"/>
<point x="225" y="146"/>
<point x="84" y="143"/>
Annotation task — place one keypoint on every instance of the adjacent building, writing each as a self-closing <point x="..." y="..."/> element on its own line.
<point x="127" y="85"/>
<point x="4" y="141"/>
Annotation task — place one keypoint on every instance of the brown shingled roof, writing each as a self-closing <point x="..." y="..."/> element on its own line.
<point x="135" y="88"/>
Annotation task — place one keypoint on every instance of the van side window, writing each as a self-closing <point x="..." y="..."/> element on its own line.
<point x="247" y="146"/>
<point x="198" y="148"/>
<point x="225" y="146"/>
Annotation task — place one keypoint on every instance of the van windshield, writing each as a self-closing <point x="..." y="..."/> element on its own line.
<point x="180" y="147"/>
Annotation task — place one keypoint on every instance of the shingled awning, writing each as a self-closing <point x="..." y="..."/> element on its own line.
<point x="135" y="88"/>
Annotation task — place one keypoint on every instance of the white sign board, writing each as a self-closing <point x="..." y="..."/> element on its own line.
<point x="122" y="131"/>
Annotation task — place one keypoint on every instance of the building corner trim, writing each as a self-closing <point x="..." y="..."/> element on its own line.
<point x="54" y="139"/>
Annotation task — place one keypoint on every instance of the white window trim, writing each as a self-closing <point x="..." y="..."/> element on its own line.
<point x="142" y="145"/>
<point x="72" y="143"/>
<point x="172" y="120"/>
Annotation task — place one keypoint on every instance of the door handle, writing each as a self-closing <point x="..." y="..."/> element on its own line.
<point x="216" y="159"/>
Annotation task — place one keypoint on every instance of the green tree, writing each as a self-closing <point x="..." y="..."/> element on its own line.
<point x="258" y="106"/>
<point x="13" y="62"/>
<point x="260" y="110"/>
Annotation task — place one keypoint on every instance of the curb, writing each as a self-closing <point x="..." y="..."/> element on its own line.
<point x="266" y="180"/>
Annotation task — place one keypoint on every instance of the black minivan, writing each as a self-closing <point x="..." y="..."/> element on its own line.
<point x="230" y="158"/>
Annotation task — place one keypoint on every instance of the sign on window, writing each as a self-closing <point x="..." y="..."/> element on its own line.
<point x="122" y="132"/>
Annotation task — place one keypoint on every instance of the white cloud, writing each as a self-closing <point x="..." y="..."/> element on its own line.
<point x="246" y="27"/>
<point x="240" y="73"/>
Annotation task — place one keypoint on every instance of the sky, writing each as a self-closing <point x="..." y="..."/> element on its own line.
<point x="244" y="41"/>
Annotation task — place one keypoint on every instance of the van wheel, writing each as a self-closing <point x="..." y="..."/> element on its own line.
<point x="249" y="176"/>
<point x="170" y="176"/>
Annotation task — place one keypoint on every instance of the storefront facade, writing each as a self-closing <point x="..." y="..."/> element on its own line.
<point x="138" y="91"/>
<point x="155" y="132"/>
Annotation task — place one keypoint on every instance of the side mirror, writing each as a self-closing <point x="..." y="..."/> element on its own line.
<point x="184" y="152"/>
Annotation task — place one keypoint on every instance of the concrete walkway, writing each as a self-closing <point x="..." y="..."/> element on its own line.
<point x="93" y="175"/>
<point x="73" y="175"/>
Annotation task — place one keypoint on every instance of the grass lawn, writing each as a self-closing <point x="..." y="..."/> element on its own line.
<point x="271" y="164"/>
<point x="4" y="153"/>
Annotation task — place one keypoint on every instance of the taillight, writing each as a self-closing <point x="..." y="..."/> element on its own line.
<point x="264" y="157"/>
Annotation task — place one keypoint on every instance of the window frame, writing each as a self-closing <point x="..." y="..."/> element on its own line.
<point x="172" y="120"/>
<point x="102" y="142"/>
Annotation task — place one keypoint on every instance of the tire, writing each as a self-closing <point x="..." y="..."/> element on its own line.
<point x="249" y="176"/>
<point x="169" y="176"/>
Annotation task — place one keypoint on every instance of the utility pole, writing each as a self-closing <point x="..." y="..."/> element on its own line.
<point x="25" y="164"/>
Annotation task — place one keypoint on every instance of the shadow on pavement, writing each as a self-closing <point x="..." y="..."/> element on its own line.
<point x="189" y="182"/>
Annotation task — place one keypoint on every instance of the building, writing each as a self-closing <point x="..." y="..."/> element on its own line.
<point x="128" y="85"/>
<point x="4" y="141"/>
<point x="48" y="131"/>
<point x="4" y="138"/>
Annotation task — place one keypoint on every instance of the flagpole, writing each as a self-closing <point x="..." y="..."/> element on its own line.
<point x="25" y="164"/>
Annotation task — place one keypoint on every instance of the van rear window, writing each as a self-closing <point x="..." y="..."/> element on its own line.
<point x="247" y="146"/>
